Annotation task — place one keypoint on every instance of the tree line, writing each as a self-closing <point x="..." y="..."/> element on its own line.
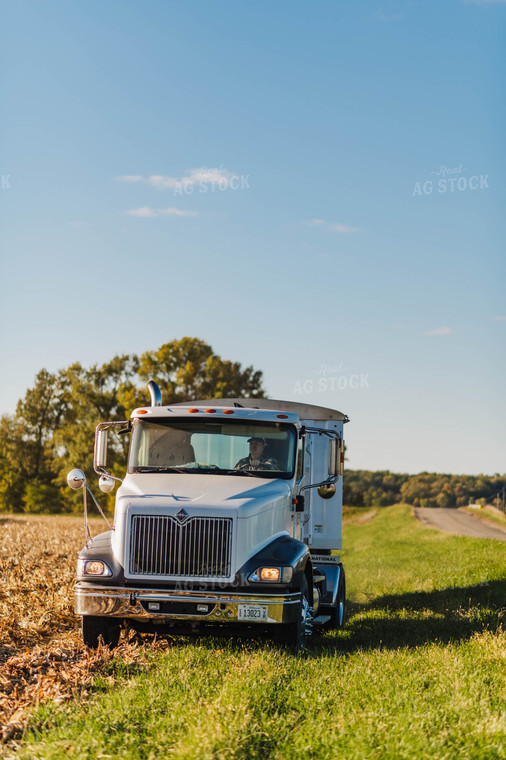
<point x="53" y="429"/>
<point x="362" y="488"/>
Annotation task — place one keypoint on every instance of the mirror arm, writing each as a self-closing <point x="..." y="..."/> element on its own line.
<point x="328" y="482"/>
<point x="329" y="433"/>
<point x="87" y="488"/>
<point x="87" y="532"/>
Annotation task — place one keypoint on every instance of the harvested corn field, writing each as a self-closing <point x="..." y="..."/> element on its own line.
<point x="41" y="651"/>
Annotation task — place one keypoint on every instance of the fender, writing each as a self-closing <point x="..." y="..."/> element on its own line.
<point x="284" y="551"/>
<point x="100" y="547"/>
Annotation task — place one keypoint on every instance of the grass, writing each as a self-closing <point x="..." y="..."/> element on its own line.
<point x="418" y="672"/>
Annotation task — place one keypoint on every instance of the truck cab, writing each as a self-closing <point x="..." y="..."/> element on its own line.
<point x="230" y="513"/>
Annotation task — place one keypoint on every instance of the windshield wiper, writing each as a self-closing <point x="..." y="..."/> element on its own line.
<point x="156" y="468"/>
<point x="249" y="473"/>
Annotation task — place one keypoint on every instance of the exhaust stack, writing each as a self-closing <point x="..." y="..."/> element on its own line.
<point x="155" y="393"/>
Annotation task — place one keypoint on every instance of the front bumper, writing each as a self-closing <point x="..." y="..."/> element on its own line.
<point x="222" y="606"/>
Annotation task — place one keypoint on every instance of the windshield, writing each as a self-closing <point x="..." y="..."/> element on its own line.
<point x="223" y="447"/>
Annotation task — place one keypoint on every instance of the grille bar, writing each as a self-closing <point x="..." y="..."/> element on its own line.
<point x="200" y="547"/>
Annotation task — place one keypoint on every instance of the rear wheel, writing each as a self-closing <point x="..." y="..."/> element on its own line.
<point x="101" y="629"/>
<point x="296" y="634"/>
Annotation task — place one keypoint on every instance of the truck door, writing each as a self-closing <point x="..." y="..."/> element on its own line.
<point x="323" y="505"/>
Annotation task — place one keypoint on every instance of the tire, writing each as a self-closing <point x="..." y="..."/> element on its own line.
<point x="103" y="630"/>
<point x="338" y="612"/>
<point x="296" y="634"/>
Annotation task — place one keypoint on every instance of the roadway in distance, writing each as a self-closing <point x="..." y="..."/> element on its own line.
<point x="458" y="522"/>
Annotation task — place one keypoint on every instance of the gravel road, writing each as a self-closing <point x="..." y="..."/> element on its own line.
<point x="461" y="523"/>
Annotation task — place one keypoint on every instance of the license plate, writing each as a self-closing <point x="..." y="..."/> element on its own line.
<point x="252" y="612"/>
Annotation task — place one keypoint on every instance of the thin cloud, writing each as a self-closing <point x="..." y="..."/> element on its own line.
<point x="219" y="176"/>
<point x="440" y="331"/>
<point x="500" y="318"/>
<point x="342" y="229"/>
<point x="146" y="212"/>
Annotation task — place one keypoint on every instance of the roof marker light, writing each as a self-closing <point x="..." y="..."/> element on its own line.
<point x="142" y="411"/>
<point x="210" y="411"/>
<point x="228" y="411"/>
<point x="192" y="411"/>
<point x="282" y="416"/>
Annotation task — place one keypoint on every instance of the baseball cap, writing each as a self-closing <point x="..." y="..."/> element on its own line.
<point x="259" y="440"/>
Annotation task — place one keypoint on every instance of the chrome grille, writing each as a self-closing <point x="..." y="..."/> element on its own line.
<point x="161" y="545"/>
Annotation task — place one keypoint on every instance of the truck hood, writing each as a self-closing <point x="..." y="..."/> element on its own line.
<point x="245" y="494"/>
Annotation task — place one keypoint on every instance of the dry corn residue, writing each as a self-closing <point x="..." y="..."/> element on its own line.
<point x="41" y="651"/>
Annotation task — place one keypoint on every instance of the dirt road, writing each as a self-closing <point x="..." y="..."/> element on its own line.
<point x="458" y="522"/>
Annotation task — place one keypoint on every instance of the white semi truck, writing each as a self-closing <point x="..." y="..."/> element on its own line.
<point x="230" y="513"/>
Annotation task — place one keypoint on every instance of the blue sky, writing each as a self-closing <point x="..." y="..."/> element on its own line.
<point x="316" y="189"/>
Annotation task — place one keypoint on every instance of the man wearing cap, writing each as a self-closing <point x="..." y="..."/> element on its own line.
<point x="256" y="459"/>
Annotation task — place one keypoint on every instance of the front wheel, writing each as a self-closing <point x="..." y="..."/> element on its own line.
<point x="296" y="634"/>
<point x="101" y="629"/>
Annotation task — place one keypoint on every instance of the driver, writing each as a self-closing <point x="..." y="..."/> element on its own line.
<point x="256" y="459"/>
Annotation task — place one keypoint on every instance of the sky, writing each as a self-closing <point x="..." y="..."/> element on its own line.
<point x="314" y="189"/>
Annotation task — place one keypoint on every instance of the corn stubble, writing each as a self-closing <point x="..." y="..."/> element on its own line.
<point x="41" y="652"/>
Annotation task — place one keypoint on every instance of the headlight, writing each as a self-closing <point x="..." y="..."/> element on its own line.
<point x="92" y="567"/>
<point x="272" y="575"/>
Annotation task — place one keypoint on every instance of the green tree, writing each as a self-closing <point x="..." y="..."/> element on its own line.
<point x="54" y="426"/>
<point x="27" y="458"/>
<point x="13" y="474"/>
<point x="187" y="369"/>
<point x="91" y="396"/>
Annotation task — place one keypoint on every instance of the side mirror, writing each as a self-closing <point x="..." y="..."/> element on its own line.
<point x="105" y="484"/>
<point x="76" y="479"/>
<point x="100" y="453"/>
<point x="327" y="491"/>
<point x="101" y="449"/>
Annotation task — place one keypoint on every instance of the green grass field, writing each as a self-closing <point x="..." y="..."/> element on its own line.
<point x="418" y="672"/>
